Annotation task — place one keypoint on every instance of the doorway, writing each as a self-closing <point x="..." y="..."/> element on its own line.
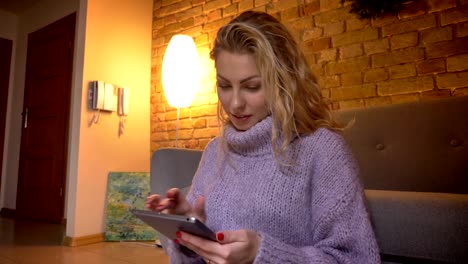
<point x="45" y="122"/>
<point x="6" y="46"/>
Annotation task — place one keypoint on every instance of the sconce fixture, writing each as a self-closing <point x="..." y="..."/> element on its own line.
<point x="180" y="73"/>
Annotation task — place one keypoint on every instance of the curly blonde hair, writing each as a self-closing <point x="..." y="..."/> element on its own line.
<point x="292" y="93"/>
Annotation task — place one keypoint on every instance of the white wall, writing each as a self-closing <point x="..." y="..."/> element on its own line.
<point x="8" y="30"/>
<point x="117" y="49"/>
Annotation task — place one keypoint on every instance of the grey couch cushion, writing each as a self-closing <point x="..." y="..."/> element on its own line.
<point x="420" y="225"/>
<point x="412" y="147"/>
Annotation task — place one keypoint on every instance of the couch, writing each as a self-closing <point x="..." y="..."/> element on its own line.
<point x="414" y="166"/>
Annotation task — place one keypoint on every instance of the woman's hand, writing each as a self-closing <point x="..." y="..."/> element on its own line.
<point x="175" y="203"/>
<point x="239" y="246"/>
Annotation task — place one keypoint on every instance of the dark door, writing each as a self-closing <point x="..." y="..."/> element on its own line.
<point x="5" y="62"/>
<point x="46" y="107"/>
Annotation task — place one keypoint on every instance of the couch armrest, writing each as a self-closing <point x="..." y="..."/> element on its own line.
<point x="420" y="225"/>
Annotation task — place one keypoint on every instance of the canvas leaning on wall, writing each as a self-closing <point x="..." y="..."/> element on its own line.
<point x="127" y="191"/>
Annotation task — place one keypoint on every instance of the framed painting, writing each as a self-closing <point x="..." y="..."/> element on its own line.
<point x="126" y="191"/>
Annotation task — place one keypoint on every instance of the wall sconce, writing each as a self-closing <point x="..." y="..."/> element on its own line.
<point x="180" y="73"/>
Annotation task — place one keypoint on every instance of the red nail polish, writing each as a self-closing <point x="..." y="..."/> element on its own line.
<point x="220" y="236"/>
<point x="176" y="241"/>
<point x="178" y="234"/>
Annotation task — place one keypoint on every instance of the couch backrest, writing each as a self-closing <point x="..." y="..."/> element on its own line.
<point x="419" y="146"/>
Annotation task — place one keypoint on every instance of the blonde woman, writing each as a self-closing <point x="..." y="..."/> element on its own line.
<point x="279" y="185"/>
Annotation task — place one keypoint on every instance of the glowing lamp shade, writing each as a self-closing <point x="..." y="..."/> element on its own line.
<point x="180" y="71"/>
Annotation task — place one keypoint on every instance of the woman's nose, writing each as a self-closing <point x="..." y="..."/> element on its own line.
<point x="237" y="100"/>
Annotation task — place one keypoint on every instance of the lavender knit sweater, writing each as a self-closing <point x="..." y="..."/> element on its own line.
<point x="312" y="212"/>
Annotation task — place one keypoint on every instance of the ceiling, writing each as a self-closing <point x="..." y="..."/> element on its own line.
<point x="16" y="6"/>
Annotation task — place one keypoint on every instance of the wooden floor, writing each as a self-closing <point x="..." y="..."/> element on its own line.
<point x="28" y="242"/>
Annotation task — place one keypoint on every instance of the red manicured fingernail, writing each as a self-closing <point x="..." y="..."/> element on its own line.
<point x="220" y="236"/>
<point x="178" y="234"/>
<point x="176" y="241"/>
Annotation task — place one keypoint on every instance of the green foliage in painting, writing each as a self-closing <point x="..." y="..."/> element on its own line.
<point x="127" y="191"/>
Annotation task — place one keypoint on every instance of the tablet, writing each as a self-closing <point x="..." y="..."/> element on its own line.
<point x="168" y="225"/>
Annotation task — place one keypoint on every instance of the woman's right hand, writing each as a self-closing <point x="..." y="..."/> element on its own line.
<point x="176" y="203"/>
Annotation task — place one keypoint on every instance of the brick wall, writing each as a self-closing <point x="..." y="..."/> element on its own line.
<point x="419" y="54"/>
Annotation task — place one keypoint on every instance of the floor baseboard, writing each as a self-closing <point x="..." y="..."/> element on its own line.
<point x="84" y="240"/>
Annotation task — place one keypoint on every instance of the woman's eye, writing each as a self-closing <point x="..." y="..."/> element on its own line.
<point x="253" y="87"/>
<point x="223" y="86"/>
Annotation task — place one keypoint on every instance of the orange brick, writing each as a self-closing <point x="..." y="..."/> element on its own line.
<point x="412" y="8"/>
<point x="215" y="25"/>
<point x="350" y="79"/>
<point x="406" y="85"/>
<point x="189" y="13"/>
<point x="215" y="4"/>
<point x="402" y="71"/>
<point x="461" y="30"/>
<point x="172" y="115"/>
<point x="245" y="5"/>
<point x="331" y="81"/>
<point x="326" y="5"/>
<point x="351" y="65"/>
<point x="207" y="110"/>
<point x="230" y="10"/>
<point x="206" y="132"/>
<point x="351" y="104"/>
<point x="376" y="46"/>
<point x="452" y="80"/>
<point x="378" y="101"/>
<point x="375" y="75"/>
<point x="333" y="28"/>
<point x="314" y="33"/>
<point x="333" y="16"/>
<point x="419" y="23"/>
<point x="457" y="63"/>
<point x="437" y="5"/>
<point x="454" y="15"/>
<point x="353" y="92"/>
<point x="289" y="14"/>
<point x="384" y="20"/>
<point x="317" y="44"/>
<point x="431" y="66"/>
<point x="436" y="34"/>
<point x="199" y="123"/>
<point x="350" y="51"/>
<point x="311" y="8"/>
<point x="356" y="23"/>
<point x="404" y="40"/>
<point x="258" y="3"/>
<point x="397" y="57"/>
<point x="435" y="94"/>
<point x="447" y="48"/>
<point x="460" y="92"/>
<point x="352" y="37"/>
<point x="405" y="98"/>
<point x="182" y="134"/>
<point x="174" y="8"/>
<point x="327" y="55"/>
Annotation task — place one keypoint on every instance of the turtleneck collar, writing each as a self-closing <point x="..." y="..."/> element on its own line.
<point x="256" y="141"/>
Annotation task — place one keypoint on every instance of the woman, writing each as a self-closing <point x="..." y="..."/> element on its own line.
<point x="279" y="185"/>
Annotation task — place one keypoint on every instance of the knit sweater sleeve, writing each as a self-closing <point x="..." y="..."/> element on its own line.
<point x="178" y="254"/>
<point x="341" y="230"/>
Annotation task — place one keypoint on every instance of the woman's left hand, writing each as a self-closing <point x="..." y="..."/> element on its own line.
<point x="239" y="246"/>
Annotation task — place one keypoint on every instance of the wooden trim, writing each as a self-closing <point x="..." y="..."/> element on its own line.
<point x="84" y="240"/>
<point x="6" y="212"/>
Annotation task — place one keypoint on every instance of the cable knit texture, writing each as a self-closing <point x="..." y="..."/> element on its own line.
<point x="311" y="212"/>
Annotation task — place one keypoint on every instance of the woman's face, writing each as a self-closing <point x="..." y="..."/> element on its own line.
<point x="240" y="89"/>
